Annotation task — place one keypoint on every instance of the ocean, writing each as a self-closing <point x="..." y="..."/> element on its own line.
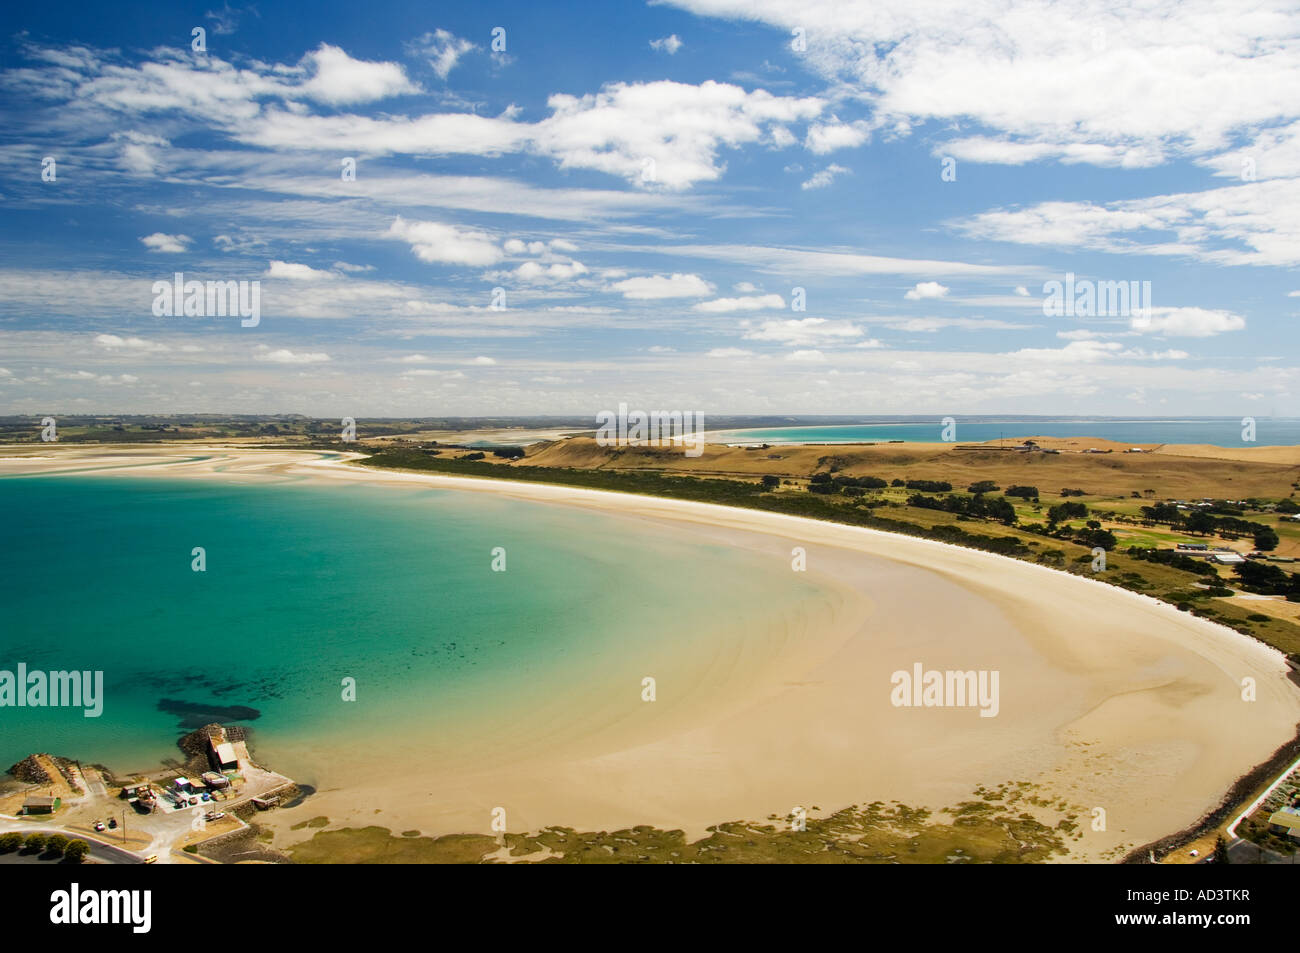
<point x="1218" y="431"/>
<point x="307" y="584"/>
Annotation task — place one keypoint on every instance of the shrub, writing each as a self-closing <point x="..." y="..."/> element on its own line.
<point x="34" y="842"/>
<point x="10" y="842"/>
<point x="76" y="851"/>
<point x="56" y="844"/>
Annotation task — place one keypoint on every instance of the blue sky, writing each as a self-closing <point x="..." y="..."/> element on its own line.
<point x="648" y="185"/>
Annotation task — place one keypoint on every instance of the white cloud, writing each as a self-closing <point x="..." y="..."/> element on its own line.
<point x="1077" y="80"/>
<point x="929" y="325"/>
<point x="1187" y="322"/>
<point x="655" y="287"/>
<point x="284" y="356"/>
<point x="659" y="135"/>
<point x="668" y="44"/>
<point x="337" y="79"/>
<point x="754" y="303"/>
<point x="1251" y="224"/>
<point x="296" y="272"/>
<point x="443" y="50"/>
<point x="113" y="342"/>
<point x="825" y="177"/>
<point x="827" y="137"/>
<point x="169" y="244"/>
<point x="729" y="352"/>
<point x="796" y="331"/>
<point x="436" y="242"/>
<point x="926" y="289"/>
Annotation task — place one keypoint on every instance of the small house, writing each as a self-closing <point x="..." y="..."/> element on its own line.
<point x="41" y="804"/>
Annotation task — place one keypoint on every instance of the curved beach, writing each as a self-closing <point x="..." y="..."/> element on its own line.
<point x="1107" y="699"/>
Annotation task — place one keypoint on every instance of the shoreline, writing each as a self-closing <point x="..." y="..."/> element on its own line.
<point x="971" y="570"/>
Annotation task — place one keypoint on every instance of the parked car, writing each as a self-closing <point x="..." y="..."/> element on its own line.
<point x="99" y="825"/>
<point x="112" y="823"/>
<point x="205" y="797"/>
<point x="151" y="859"/>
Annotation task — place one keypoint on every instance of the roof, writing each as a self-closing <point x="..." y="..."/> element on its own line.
<point x="1282" y="819"/>
<point x="40" y="800"/>
<point x="226" y="753"/>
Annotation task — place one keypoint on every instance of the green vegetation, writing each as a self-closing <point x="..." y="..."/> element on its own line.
<point x="76" y="851"/>
<point x="1007" y="824"/>
<point x="35" y="843"/>
<point x="56" y="844"/>
<point x="10" y="842"/>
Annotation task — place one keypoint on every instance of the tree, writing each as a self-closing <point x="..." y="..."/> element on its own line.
<point x="1265" y="539"/>
<point x="982" y="486"/>
<point x="10" y="842"/>
<point x="34" y="842"/>
<point x="1201" y="523"/>
<point x="771" y="482"/>
<point x="76" y="851"/>
<point x="1221" y="851"/>
<point x="56" y="844"/>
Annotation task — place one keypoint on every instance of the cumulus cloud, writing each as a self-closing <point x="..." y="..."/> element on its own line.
<point x="654" y="287"/>
<point x="926" y="289"/>
<point x="668" y="44"/>
<point x="168" y="244"/>
<point x="113" y="342"/>
<point x="752" y="303"/>
<point x="449" y="244"/>
<point x="284" y="356"/>
<point x="1187" y="322"/>
<point x="297" y="272"/>
<point x="337" y="79"/>
<point x="827" y="137"/>
<point x="797" y="331"/>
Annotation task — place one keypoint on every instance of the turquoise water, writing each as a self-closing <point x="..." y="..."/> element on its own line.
<point x="309" y="583"/>
<point x="1219" y="431"/>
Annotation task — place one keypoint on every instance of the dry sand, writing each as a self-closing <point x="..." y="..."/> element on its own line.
<point x="1108" y="699"/>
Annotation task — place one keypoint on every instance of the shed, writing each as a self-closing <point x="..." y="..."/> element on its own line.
<point x="40" y="804"/>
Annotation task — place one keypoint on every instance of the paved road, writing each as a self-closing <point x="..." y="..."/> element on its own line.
<point x="104" y="853"/>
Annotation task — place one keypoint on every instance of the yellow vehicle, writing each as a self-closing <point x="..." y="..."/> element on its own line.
<point x="151" y="859"/>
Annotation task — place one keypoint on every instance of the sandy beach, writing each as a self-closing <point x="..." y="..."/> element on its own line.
<point x="1108" y="699"/>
